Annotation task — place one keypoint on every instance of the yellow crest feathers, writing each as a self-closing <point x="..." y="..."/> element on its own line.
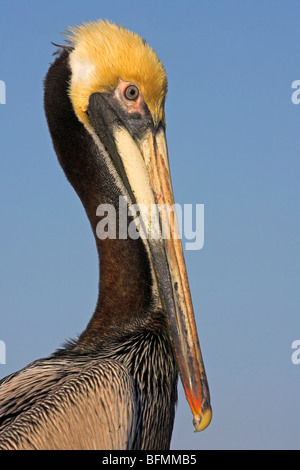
<point x="104" y="53"/>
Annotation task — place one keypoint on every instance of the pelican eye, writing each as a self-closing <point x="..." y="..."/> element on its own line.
<point x="131" y="92"/>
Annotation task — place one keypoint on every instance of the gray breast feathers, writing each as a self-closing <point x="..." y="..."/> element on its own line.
<point x="69" y="404"/>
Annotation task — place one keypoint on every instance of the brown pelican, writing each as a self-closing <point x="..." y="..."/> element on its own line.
<point x="115" y="387"/>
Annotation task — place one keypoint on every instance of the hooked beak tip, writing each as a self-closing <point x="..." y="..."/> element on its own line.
<point x="201" y="422"/>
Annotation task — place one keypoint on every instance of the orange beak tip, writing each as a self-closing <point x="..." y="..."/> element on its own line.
<point x="203" y="421"/>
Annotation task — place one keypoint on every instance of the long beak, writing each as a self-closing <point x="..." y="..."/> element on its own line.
<point x="147" y="169"/>
<point x="142" y="164"/>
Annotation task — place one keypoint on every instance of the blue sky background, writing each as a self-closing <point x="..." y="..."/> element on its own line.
<point x="233" y="137"/>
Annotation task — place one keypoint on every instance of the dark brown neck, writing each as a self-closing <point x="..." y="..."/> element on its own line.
<point x="125" y="288"/>
<point x="124" y="292"/>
